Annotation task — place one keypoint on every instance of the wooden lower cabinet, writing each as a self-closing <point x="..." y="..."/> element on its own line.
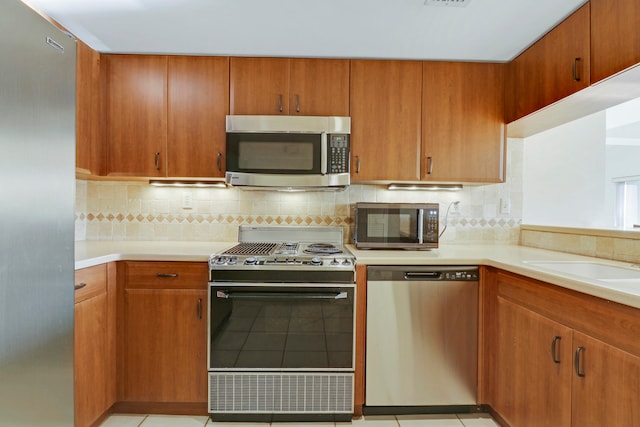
<point x="609" y="392"/>
<point x="163" y="343"/>
<point x="533" y="385"/>
<point x="591" y="375"/>
<point x="94" y="352"/>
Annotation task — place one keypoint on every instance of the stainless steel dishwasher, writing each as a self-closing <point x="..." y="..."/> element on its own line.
<point x="422" y="335"/>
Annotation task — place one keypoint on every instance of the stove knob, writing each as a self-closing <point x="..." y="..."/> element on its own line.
<point x="316" y="261"/>
<point x="221" y="260"/>
<point x="251" y="260"/>
<point x="335" y="261"/>
<point x="233" y="260"/>
<point x="346" y="262"/>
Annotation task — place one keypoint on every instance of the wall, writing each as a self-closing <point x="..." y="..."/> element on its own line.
<point x="116" y="210"/>
<point x="564" y="175"/>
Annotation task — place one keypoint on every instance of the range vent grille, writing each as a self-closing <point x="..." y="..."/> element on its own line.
<point x="451" y="3"/>
<point x="295" y="393"/>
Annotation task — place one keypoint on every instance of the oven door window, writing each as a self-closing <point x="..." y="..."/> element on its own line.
<point x="298" y="153"/>
<point x="273" y="327"/>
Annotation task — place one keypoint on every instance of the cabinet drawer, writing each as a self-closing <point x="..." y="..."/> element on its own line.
<point x="166" y="275"/>
<point x="90" y="282"/>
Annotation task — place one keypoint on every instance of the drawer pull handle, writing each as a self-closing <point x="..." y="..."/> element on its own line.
<point x="200" y="308"/>
<point x="576" y="75"/>
<point x="555" y="349"/>
<point x="79" y="286"/>
<point x="167" y="275"/>
<point x="577" y="362"/>
<point x="429" y="165"/>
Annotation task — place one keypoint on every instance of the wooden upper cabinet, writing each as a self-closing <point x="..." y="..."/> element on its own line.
<point x="385" y="106"/>
<point x="553" y="68"/>
<point x="90" y="151"/>
<point x="319" y="87"/>
<point x="198" y="90"/>
<point x="291" y="86"/>
<point x="137" y="115"/>
<point x="463" y="130"/>
<point x="615" y="36"/>
<point x="259" y="86"/>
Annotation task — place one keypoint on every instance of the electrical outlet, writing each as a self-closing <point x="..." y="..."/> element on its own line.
<point x="505" y="206"/>
<point x="187" y="200"/>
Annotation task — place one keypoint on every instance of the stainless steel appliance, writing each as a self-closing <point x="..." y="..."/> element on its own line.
<point x="281" y="326"/>
<point x="396" y="225"/>
<point x="422" y="328"/>
<point x="288" y="152"/>
<point x="37" y="171"/>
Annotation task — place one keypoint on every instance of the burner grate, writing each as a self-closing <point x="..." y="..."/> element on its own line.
<point x="250" y="248"/>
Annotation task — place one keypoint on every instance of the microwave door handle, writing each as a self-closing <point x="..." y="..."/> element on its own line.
<point x="323" y="153"/>
<point x="420" y="225"/>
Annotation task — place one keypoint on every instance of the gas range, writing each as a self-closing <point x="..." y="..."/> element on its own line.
<point x="298" y="248"/>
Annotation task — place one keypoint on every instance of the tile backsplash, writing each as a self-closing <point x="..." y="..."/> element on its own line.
<point x="123" y="210"/>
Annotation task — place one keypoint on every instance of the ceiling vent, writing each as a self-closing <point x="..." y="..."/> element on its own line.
<point x="450" y="3"/>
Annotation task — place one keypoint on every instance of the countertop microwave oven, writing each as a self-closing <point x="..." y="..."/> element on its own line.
<point x="396" y="225"/>
<point x="288" y="152"/>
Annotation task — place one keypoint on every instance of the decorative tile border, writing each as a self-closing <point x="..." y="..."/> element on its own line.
<point x="216" y="219"/>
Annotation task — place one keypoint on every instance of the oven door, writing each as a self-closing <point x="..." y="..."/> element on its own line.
<point x="277" y="153"/>
<point x="292" y="327"/>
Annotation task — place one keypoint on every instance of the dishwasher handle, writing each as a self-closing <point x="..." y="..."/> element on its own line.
<point x="423" y="275"/>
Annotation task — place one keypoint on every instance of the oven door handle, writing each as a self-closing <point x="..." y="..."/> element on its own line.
<point x="280" y="295"/>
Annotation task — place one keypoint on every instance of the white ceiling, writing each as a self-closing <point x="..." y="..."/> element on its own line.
<point x="483" y="30"/>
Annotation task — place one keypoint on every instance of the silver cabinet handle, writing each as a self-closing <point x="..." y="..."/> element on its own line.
<point x="297" y="103"/>
<point x="576" y="76"/>
<point x="280" y="107"/>
<point x="157" y="160"/>
<point x="166" y="275"/>
<point x="79" y="286"/>
<point x="357" y="164"/>
<point x="555" y="349"/>
<point x="323" y="153"/>
<point x="280" y="295"/>
<point x="219" y="161"/>
<point x="429" y="165"/>
<point x="577" y="362"/>
<point x="199" y="309"/>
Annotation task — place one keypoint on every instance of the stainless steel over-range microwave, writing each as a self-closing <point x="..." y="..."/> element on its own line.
<point x="306" y="152"/>
<point x="396" y="225"/>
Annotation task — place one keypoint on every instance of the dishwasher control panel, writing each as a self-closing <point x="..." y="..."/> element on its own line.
<point x="444" y="273"/>
<point x="468" y="274"/>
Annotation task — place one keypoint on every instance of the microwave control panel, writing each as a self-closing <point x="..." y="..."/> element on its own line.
<point x="338" y="153"/>
<point x="431" y="225"/>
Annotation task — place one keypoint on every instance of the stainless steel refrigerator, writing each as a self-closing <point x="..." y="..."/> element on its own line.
<point x="37" y="192"/>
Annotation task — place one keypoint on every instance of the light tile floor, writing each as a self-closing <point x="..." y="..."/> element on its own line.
<point x="459" y="420"/>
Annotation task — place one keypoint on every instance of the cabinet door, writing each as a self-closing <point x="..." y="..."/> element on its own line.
<point x="197" y="106"/>
<point x="93" y="380"/>
<point x="554" y="67"/>
<point x="90" y="152"/>
<point x="531" y="388"/>
<point x="463" y="131"/>
<point x="319" y="87"/>
<point x="259" y="86"/>
<point x="615" y="39"/>
<point x="137" y="115"/>
<point x="165" y="345"/>
<point x="91" y="360"/>
<point x="385" y="105"/>
<point x="607" y="391"/>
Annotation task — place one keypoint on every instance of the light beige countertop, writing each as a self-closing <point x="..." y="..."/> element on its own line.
<point x="513" y="258"/>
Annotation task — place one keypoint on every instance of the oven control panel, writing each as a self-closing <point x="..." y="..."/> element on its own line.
<point x="233" y="261"/>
